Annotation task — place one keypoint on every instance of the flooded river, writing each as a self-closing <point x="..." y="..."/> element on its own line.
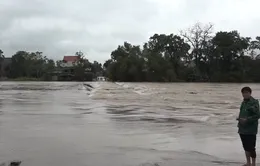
<point x="120" y="124"/>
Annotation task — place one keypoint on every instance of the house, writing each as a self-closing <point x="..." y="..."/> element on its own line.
<point x="69" y="61"/>
<point x="66" y="70"/>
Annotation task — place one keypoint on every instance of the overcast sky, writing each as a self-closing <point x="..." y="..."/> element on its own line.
<point x="96" y="27"/>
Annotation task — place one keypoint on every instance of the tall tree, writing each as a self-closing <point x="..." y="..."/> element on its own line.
<point x="1" y="54"/>
<point x="126" y="63"/>
<point x="198" y="36"/>
<point x="1" y="62"/>
<point x="228" y="52"/>
<point x="30" y="64"/>
<point x="254" y="48"/>
<point x="172" y="47"/>
<point x="82" y="68"/>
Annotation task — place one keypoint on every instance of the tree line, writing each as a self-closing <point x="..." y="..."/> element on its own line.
<point x="35" y="66"/>
<point x="194" y="55"/>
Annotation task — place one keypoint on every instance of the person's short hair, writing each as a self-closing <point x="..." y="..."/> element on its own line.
<point x="246" y="89"/>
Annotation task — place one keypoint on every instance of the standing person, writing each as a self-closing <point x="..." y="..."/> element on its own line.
<point x="248" y="125"/>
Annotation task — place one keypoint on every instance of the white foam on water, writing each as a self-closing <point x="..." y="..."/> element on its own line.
<point x="194" y="118"/>
<point x="119" y="83"/>
<point x="97" y="86"/>
<point x="142" y="90"/>
<point x="124" y="85"/>
<point x="82" y="87"/>
<point x="86" y="89"/>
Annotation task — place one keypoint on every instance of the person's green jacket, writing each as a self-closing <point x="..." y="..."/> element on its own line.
<point x="249" y="110"/>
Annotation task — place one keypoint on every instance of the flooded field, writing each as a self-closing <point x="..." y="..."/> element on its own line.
<point x="120" y="124"/>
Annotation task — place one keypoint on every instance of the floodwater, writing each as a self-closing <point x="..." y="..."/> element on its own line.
<point x="120" y="124"/>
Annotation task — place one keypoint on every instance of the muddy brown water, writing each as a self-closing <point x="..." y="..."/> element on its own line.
<point x="120" y="124"/>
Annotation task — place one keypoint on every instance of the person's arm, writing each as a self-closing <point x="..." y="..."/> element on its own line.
<point x="254" y="109"/>
<point x="238" y="117"/>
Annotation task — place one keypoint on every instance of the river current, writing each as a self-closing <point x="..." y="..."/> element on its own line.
<point x="120" y="124"/>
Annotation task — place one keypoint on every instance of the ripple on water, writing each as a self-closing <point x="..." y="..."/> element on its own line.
<point x="58" y="122"/>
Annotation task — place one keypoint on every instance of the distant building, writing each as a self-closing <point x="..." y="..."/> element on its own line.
<point x="69" y="61"/>
<point x="66" y="70"/>
<point x="101" y="78"/>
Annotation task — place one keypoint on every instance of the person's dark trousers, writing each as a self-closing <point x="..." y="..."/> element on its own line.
<point x="249" y="143"/>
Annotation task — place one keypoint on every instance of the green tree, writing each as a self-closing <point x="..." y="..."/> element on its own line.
<point x="82" y="68"/>
<point x="229" y="49"/>
<point x="196" y="55"/>
<point x="97" y="69"/>
<point x="1" y="62"/>
<point x="19" y="67"/>
<point x="30" y="65"/>
<point x="199" y="37"/>
<point x="125" y="64"/>
<point x="254" y="48"/>
<point x="172" y="48"/>
<point x="1" y="55"/>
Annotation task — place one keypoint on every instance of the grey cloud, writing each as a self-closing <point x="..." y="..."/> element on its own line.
<point x="62" y="27"/>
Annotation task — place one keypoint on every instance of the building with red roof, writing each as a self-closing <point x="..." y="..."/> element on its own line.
<point x="68" y="61"/>
<point x="70" y="58"/>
